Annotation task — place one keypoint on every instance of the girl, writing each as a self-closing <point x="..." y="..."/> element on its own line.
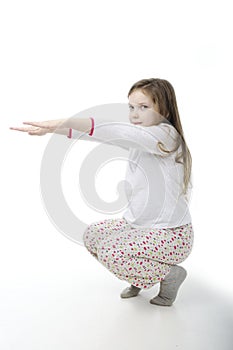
<point x="155" y="234"/>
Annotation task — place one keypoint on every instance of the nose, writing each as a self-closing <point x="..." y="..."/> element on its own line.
<point x="135" y="113"/>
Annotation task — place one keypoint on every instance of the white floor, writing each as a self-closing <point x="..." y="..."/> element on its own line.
<point x="69" y="301"/>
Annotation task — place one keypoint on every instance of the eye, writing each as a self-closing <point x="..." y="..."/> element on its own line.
<point x="143" y="107"/>
<point x="130" y="107"/>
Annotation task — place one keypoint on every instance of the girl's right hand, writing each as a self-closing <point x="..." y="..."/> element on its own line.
<point x="33" y="130"/>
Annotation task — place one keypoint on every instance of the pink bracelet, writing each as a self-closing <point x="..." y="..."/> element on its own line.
<point x="70" y="133"/>
<point x="92" y="126"/>
<point x="91" y="132"/>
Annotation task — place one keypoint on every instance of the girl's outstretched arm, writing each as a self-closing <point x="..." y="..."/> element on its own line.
<point x="59" y="126"/>
<point x="123" y="134"/>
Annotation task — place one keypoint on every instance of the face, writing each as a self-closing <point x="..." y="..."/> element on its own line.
<point x="142" y="110"/>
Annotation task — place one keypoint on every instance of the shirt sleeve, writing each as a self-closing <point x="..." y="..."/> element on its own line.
<point x="127" y="135"/>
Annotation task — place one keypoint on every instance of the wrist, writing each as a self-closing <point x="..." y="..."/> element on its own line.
<point x="91" y="130"/>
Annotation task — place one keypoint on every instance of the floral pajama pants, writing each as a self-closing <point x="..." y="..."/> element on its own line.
<point x="141" y="257"/>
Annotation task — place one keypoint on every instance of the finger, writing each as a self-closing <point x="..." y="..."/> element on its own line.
<point x="19" y="129"/>
<point x="39" y="124"/>
<point x="36" y="133"/>
<point x="24" y="129"/>
<point x="32" y="133"/>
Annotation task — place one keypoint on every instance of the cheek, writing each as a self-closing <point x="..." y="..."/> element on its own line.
<point x="148" y="119"/>
<point x="150" y="116"/>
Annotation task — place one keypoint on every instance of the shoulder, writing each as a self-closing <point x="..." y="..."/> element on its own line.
<point x="164" y="130"/>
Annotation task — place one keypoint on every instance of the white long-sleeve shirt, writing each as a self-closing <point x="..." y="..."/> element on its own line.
<point x="153" y="181"/>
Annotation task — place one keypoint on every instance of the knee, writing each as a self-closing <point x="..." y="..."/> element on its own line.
<point x="91" y="232"/>
<point x="88" y="234"/>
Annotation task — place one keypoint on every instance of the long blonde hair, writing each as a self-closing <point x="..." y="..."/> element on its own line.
<point x="163" y="93"/>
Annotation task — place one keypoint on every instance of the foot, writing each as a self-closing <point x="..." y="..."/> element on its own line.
<point x="169" y="286"/>
<point x="130" y="292"/>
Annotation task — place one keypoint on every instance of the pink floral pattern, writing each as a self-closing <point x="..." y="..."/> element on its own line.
<point x="141" y="257"/>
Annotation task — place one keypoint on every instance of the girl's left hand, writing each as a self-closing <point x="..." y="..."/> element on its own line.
<point x="50" y="124"/>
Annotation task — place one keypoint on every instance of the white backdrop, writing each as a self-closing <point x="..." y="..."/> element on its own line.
<point x="61" y="57"/>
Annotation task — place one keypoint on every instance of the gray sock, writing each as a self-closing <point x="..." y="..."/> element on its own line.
<point x="130" y="292"/>
<point x="169" y="286"/>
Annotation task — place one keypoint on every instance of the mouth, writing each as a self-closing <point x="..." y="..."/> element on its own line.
<point x="137" y="123"/>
